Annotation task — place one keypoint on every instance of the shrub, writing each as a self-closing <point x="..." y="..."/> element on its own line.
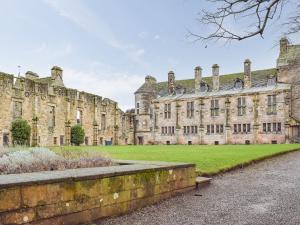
<point x="24" y="160"/>
<point x="20" y="130"/>
<point x="77" y="135"/>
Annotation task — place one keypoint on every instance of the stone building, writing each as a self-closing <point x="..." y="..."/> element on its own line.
<point x="51" y="109"/>
<point x="243" y="108"/>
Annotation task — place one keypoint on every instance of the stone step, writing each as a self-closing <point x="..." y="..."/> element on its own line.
<point x="202" y="181"/>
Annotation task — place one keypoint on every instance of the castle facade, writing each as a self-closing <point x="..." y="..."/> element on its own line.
<point x="252" y="107"/>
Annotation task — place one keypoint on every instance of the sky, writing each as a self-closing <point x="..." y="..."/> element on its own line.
<point x="107" y="47"/>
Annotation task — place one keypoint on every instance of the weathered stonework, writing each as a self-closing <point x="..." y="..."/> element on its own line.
<point x="81" y="196"/>
<point x="250" y="107"/>
<point x="51" y="109"/>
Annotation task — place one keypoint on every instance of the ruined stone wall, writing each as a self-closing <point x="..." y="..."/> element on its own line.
<point x="37" y="98"/>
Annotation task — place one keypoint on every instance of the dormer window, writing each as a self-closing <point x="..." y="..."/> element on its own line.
<point x="238" y="83"/>
<point x="204" y="87"/>
<point x="271" y="80"/>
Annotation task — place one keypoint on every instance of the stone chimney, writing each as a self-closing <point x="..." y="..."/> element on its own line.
<point x="198" y="77"/>
<point x="247" y="73"/>
<point x="215" y="74"/>
<point x="171" y="82"/>
<point x="150" y="80"/>
<point x="283" y="46"/>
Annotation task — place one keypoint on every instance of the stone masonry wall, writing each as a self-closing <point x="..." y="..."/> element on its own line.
<point x="83" y="195"/>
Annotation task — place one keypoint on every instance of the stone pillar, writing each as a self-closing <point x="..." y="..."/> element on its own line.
<point x="34" y="132"/>
<point x="171" y="82"/>
<point x="215" y="74"/>
<point x="67" y="133"/>
<point x="177" y="122"/>
<point x="201" y="127"/>
<point x="95" y="133"/>
<point x="255" y="120"/>
<point x="247" y="73"/>
<point x="198" y="77"/>
<point x="227" y="122"/>
<point x="287" y="132"/>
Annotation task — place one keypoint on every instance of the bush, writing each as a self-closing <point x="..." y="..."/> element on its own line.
<point x="77" y="135"/>
<point x="20" y="130"/>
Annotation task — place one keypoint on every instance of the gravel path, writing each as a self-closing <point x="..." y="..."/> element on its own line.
<point x="265" y="193"/>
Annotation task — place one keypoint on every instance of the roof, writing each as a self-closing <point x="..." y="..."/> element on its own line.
<point x="277" y="86"/>
<point x="258" y="78"/>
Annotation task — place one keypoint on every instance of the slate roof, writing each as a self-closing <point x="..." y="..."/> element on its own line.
<point x="233" y="91"/>
<point x="258" y="78"/>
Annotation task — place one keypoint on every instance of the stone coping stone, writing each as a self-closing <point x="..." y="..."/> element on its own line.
<point x="125" y="167"/>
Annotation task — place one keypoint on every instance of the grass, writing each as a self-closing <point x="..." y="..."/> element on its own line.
<point x="209" y="159"/>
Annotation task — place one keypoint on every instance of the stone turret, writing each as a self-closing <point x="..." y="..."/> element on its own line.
<point x="171" y="82"/>
<point x="247" y="73"/>
<point x="198" y="77"/>
<point x="215" y="74"/>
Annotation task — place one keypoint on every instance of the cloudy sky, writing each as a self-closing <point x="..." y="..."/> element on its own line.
<point x="107" y="47"/>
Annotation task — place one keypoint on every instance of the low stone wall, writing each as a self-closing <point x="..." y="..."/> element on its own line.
<point x="83" y="195"/>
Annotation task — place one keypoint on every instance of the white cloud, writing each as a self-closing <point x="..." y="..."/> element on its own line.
<point x="143" y="35"/>
<point x="117" y="86"/>
<point x="156" y="37"/>
<point x="79" y="14"/>
<point x="57" y="51"/>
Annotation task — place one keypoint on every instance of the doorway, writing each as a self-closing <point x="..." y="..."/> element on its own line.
<point x="140" y="140"/>
<point x="6" y="139"/>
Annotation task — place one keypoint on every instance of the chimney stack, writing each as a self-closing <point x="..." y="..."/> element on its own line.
<point x="284" y="42"/>
<point x="171" y="82"/>
<point x="247" y="73"/>
<point x="215" y="74"/>
<point x="198" y="77"/>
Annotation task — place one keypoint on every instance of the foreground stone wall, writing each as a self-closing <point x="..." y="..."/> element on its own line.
<point x="83" y="195"/>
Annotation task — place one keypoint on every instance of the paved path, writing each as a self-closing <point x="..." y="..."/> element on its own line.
<point x="265" y="193"/>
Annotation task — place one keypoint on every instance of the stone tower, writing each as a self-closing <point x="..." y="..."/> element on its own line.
<point x="57" y="76"/>
<point x="247" y="73"/>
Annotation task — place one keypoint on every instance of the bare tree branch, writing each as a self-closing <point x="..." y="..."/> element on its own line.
<point x="259" y="11"/>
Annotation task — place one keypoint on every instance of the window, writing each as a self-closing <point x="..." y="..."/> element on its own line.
<point x="208" y="129"/>
<point x="248" y="128"/>
<point x="17" y="110"/>
<point x="238" y="83"/>
<point x="137" y="108"/>
<point x="239" y="128"/>
<point x="271" y="104"/>
<point x="103" y="122"/>
<point x="86" y="140"/>
<point x="190" y="109"/>
<point x="212" y="128"/>
<point x="272" y="127"/>
<point x="271" y="80"/>
<point x="241" y="106"/>
<point x="221" y="128"/>
<point x="79" y="116"/>
<point x="264" y="127"/>
<point x="269" y="127"/>
<point x="217" y="128"/>
<point x="235" y="128"/>
<point x="214" y="107"/>
<point x="242" y="128"/>
<point x="61" y="139"/>
<point x="167" y="111"/>
<point x="51" y="122"/>
<point x="55" y="140"/>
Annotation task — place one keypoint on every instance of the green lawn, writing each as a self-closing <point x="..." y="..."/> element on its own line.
<point x="210" y="159"/>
